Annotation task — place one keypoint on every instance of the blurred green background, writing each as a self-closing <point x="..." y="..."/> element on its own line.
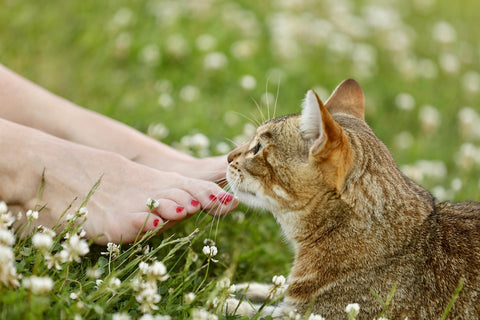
<point x="174" y="69"/>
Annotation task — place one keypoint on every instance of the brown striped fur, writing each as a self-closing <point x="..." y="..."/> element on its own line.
<point x="356" y="222"/>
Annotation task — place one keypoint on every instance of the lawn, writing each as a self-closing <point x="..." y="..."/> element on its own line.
<point x="177" y="69"/>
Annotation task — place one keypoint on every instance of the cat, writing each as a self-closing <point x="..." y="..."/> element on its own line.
<point x="358" y="226"/>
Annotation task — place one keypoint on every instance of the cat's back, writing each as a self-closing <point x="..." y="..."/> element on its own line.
<point x="450" y="245"/>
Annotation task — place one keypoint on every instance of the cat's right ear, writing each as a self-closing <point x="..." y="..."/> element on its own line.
<point x="317" y="124"/>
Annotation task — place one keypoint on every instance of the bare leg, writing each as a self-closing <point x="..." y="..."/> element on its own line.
<point x="24" y="102"/>
<point x="117" y="210"/>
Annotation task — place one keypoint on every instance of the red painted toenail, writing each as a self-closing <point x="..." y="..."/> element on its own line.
<point x="212" y="197"/>
<point x="180" y="209"/>
<point x="156" y="222"/>
<point x="225" y="198"/>
<point x="194" y="203"/>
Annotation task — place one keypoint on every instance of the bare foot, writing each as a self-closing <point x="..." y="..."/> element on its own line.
<point x="117" y="210"/>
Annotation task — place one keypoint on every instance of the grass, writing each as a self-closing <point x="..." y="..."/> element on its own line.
<point x="149" y="62"/>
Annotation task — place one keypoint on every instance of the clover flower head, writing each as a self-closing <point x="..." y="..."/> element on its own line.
<point x="6" y="237"/>
<point x="353" y="309"/>
<point x="189" y="297"/>
<point x="8" y="272"/>
<point x="32" y="215"/>
<point x="73" y="249"/>
<point x="42" y="241"/>
<point x="113" y="250"/>
<point x="210" y="251"/>
<point x="278" y="281"/>
<point x="315" y="317"/>
<point x="38" y="285"/>
<point x="152" y="203"/>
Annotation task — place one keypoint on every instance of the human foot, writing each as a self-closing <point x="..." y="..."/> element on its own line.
<point x="117" y="210"/>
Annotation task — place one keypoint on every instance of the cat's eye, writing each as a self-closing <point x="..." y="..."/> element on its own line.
<point x="256" y="148"/>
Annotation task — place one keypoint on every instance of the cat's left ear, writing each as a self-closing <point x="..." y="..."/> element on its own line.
<point x="318" y="125"/>
<point x="348" y="98"/>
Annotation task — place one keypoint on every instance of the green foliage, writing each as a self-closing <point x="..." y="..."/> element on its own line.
<point x="181" y="65"/>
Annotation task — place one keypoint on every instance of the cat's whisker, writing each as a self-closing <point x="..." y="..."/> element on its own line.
<point x="252" y="120"/>
<point x="276" y="99"/>
<point x="259" y="109"/>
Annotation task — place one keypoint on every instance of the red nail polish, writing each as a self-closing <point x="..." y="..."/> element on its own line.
<point x="212" y="197"/>
<point x="195" y="203"/>
<point x="155" y="222"/>
<point x="180" y="209"/>
<point x="225" y="198"/>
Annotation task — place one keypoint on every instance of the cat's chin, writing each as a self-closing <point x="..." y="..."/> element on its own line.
<point x="250" y="199"/>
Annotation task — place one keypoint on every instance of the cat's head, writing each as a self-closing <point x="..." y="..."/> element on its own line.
<point x="292" y="159"/>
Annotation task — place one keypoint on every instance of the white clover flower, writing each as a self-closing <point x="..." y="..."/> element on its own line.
<point x="405" y="101"/>
<point x="150" y="54"/>
<point x="471" y="82"/>
<point x="121" y="316"/>
<point x="3" y="207"/>
<point x="152" y="203"/>
<point x="189" y="93"/>
<point x="177" y="46"/>
<point x="353" y="309"/>
<point x="206" y="42"/>
<point x="158" y="130"/>
<point x="6" y="237"/>
<point x="278" y="281"/>
<point x="113" y="250"/>
<point x="38" y="285"/>
<point x="93" y="273"/>
<point x="222" y="148"/>
<point x="54" y="261"/>
<point x="73" y="249"/>
<point x="8" y="273"/>
<point x="429" y="118"/>
<point x="215" y="61"/>
<point x="202" y="314"/>
<point x="158" y="271"/>
<point x="114" y="283"/>
<point x="248" y="82"/>
<point x="74" y="296"/>
<point x="98" y="283"/>
<point x="32" y="215"/>
<point x="223" y="283"/>
<point x="469" y="123"/>
<point x="404" y="140"/>
<point x="82" y="212"/>
<point x="189" y="297"/>
<point x="210" y="251"/>
<point x="166" y="101"/>
<point x="148" y="298"/>
<point x="449" y="63"/>
<point x="42" y="241"/>
<point x="444" y="33"/>
<point x="315" y="317"/>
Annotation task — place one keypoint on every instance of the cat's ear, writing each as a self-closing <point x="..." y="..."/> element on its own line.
<point x="348" y="98"/>
<point x="317" y="124"/>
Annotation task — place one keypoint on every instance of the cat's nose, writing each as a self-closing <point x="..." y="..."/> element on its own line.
<point x="234" y="153"/>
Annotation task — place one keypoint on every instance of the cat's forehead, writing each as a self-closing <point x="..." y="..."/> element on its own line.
<point x="277" y="124"/>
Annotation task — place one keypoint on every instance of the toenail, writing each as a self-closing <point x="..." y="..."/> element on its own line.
<point x="212" y="197"/>
<point x="225" y="198"/>
<point x="180" y="209"/>
<point x="156" y="222"/>
<point x="195" y="203"/>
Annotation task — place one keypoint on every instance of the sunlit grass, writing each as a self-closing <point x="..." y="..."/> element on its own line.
<point x="192" y="74"/>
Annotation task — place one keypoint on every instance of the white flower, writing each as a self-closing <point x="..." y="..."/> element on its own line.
<point x="73" y="249"/>
<point x="248" y="82"/>
<point x="210" y="251"/>
<point x="405" y="101"/>
<point x="32" y="215"/>
<point x="54" y="261"/>
<point x="3" y="207"/>
<point x="353" y="309"/>
<point x="121" y="316"/>
<point x="6" y="237"/>
<point x="206" y="42"/>
<point x="113" y="250"/>
<point x="148" y="298"/>
<point x="8" y="273"/>
<point x="6" y="220"/>
<point x="114" y="283"/>
<point x="82" y="212"/>
<point x="152" y="203"/>
<point x="429" y="118"/>
<point x="93" y="273"/>
<point x="315" y="317"/>
<point x="215" y="61"/>
<point x="189" y="93"/>
<point x="202" y="314"/>
<point x="74" y="296"/>
<point x="444" y="33"/>
<point x="223" y="283"/>
<point x="150" y="54"/>
<point x="189" y="297"/>
<point x="98" y="283"/>
<point x="158" y="271"/>
<point x="42" y="241"/>
<point x="278" y="281"/>
<point x="38" y="285"/>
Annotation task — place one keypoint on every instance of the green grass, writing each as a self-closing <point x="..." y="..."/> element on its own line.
<point x="91" y="52"/>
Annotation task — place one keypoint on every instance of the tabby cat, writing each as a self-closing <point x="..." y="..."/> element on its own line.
<point x="357" y="224"/>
